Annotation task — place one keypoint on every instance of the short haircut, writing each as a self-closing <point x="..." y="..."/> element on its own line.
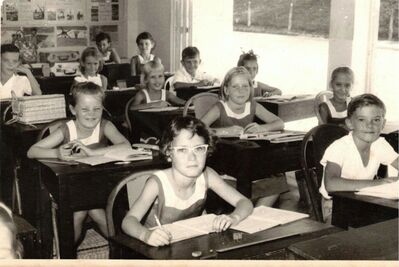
<point x="342" y="70"/>
<point x="191" y="124"/>
<point x="363" y="101"/>
<point x="145" y="36"/>
<point x="244" y="57"/>
<point x="91" y="51"/>
<point x="9" y="48"/>
<point x="7" y="221"/>
<point x="190" y="52"/>
<point x="85" y="88"/>
<point x="102" y="36"/>
<point x="229" y="76"/>
<point x="150" y="66"/>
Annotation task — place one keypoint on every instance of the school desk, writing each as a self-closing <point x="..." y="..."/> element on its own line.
<point x="152" y="122"/>
<point x="373" y="242"/>
<point x="55" y="85"/>
<point x="84" y="187"/>
<point x="269" y="244"/>
<point x="351" y="210"/>
<point x="248" y="161"/>
<point x="290" y="110"/>
<point x="187" y="93"/>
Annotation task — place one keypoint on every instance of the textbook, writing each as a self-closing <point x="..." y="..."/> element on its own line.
<point x="190" y="228"/>
<point x="389" y="191"/>
<point x="263" y="218"/>
<point x="123" y="154"/>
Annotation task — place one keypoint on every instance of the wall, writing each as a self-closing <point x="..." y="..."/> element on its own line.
<point x="153" y="16"/>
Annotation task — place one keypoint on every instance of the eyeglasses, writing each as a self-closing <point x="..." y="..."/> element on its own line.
<point x="184" y="150"/>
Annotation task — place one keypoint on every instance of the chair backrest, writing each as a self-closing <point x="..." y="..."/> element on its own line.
<point x="321" y="97"/>
<point x="50" y="128"/>
<point x="314" y="144"/>
<point x="169" y="85"/>
<point x="122" y="197"/>
<point x="127" y="118"/>
<point x="202" y="103"/>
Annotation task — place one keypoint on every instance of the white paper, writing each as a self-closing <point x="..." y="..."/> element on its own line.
<point x="389" y="191"/>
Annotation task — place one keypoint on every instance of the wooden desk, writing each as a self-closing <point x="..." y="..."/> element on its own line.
<point x="373" y="242"/>
<point x="268" y="244"/>
<point x="83" y="187"/>
<point x="147" y="123"/>
<point x="187" y="93"/>
<point x="351" y="210"/>
<point x="55" y="85"/>
<point x="295" y="109"/>
<point x="248" y="161"/>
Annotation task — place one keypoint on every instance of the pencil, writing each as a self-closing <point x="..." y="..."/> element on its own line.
<point x="158" y="222"/>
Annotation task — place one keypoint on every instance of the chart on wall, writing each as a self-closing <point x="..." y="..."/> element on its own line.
<point x="44" y="27"/>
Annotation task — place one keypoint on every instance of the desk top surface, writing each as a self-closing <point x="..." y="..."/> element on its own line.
<point x="212" y="244"/>
<point x="373" y="242"/>
<point x="390" y="203"/>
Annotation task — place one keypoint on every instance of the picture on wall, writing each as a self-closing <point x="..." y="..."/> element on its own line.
<point x="39" y="37"/>
<point x="71" y="36"/>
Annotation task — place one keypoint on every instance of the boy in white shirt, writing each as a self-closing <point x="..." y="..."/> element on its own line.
<point x="10" y="79"/>
<point x="189" y="75"/>
<point x="351" y="162"/>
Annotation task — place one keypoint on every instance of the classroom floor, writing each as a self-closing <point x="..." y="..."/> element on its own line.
<point x="94" y="246"/>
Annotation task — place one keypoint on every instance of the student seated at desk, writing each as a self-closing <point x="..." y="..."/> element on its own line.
<point x="146" y="44"/>
<point x="351" y="162"/>
<point x="10" y="79"/>
<point x="236" y="113"/>
<point x="250" y="62"/>
<point x="179" y="192"/>
<point x="108" y="53"/>
<point x="334" y="110"/>
<point x="10" y="247"/>
<point x="154" y="95"/>
<point x="87" y="135"/>
<point x="189" y="75"/>
<point x="90" y="64"/>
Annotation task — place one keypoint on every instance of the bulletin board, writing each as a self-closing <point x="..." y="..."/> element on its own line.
<point x="58" y="30"/>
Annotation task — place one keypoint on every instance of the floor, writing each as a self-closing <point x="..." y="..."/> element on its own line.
<point x="94" y="246"/>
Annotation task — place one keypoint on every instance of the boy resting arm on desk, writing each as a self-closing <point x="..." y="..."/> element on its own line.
<point x="351" y="162"/>
<point x="10" y="79"/>
<point x="189" y="75"/>
<point x="179" y="192"/>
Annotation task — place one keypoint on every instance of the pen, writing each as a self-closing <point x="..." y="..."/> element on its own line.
<point x="158" y="222"/>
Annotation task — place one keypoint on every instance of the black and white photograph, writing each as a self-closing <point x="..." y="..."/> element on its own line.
<point x="199" y="133"/>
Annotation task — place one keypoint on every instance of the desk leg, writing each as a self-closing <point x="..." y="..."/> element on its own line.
<point x="340" y="213"/>
<point x="65" y="227"/>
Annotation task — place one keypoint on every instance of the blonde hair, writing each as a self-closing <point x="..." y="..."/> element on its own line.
<point x="150" y="67"/>
<point x="229" y="76"/>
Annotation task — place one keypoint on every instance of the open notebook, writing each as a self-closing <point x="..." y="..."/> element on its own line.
<point x="263" y="218"/>
<point x="123" y="154"/>
<point x="389" y="191"/>
<point x="190" y="228"/>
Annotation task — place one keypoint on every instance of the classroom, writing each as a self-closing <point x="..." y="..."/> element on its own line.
<point x="257" y="130"/>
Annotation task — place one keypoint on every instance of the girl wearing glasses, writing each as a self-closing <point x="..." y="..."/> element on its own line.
<point x="179" y="192"/>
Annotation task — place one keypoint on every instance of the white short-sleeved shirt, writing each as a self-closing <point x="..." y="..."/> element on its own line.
<point x="17" y="83"/>
<point x="344" y="153"/>
<point x="183" y="76"/>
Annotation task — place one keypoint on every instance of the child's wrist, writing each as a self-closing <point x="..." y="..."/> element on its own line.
<point x="144" y="235"/>
<point x="236" y="218"/>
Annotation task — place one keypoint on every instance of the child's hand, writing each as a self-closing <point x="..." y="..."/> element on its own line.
<point x="205" y="83"/>
<point x="267" y="94"/>
<point x="65" y="152"/>
<point x="223" y="222"/>
<point x="80" y="150"/>
<point x="390" y="179"/>
<point x="253" y="128"/>
<point x="158" y="237"/>
<point x="160" y="104"/>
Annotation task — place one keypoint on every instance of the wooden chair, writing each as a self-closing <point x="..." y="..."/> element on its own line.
<point x="314" y="144"/>
<point x="169" y="85"/>
<point x="321" y="97"/>
<point x="202" y="103"/>
<point x="119" y="202"/>
<point x="127" y="117"/>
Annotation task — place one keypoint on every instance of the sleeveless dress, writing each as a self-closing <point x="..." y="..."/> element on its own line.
<point x="229" y="118"/>
<point x="170" y="208"/>
<point x="334" y="116"/>
<point x="94" y="79"/>
<point x="95" y="140"/>
<point x="148" y="99"/>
